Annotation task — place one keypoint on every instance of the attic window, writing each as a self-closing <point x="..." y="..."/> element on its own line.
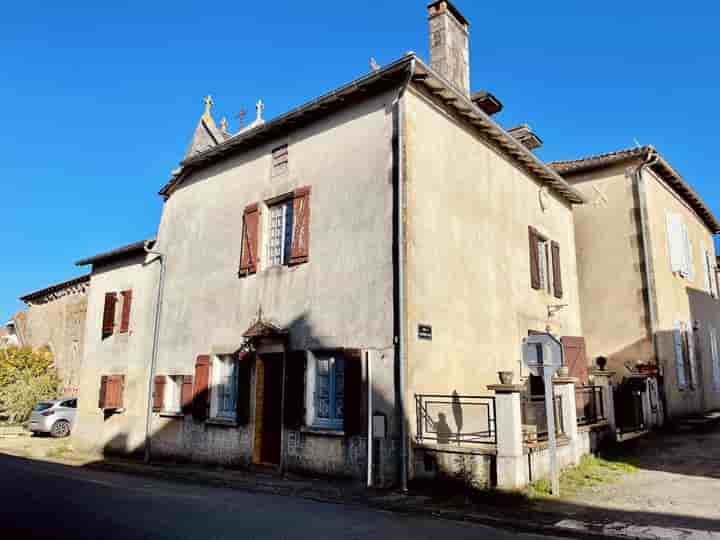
<point x="280" y="160"/>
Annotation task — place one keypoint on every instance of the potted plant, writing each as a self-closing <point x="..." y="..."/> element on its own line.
<point x="506" y="377"/>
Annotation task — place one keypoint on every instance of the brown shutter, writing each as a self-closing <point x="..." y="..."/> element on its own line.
<point x="244" y="367"/>
<point x="534" y="262"/>
<point x="575" y="357"/>
<point x="125" y="318"/>
<point x="201" y="395"/>
<point x="300" y="243"/>
<point x="295" y="365"/>
<point x="102" y="400"/>
<point x="159" y="393"/>
<point x="108" y="325"/>
<point x="186" y="394"/>
<point x="114" y="392"/>
<point x="353" y="407"/>
<point x="557" y="273"/>
<point x="250" y="240"/>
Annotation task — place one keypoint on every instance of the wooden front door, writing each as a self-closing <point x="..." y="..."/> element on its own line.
<point x="268" y="409"/>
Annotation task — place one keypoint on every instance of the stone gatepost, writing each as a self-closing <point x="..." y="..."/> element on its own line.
<point x="510" y="461"/>
<point x="603" y="379"/>
<point x="565" y="388"/>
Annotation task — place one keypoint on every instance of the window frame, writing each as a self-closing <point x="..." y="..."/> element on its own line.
<point x="286" y="202"/>
<point x="172" y="398"/>
<point x="335" y="421"/>
<point x="545" y="264"/>
<point x="229" y="387"/>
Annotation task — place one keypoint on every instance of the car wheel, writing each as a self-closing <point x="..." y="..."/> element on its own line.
<point x="61" y="428"/>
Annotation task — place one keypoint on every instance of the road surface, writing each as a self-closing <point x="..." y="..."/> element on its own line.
<point x="47" y="500"/>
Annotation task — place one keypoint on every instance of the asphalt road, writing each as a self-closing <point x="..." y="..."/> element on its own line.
<point x="46" y="500"/>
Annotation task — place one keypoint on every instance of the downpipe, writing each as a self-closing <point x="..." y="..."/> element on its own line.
<point x="153" y="360"/>
<point x="400" y="338"/>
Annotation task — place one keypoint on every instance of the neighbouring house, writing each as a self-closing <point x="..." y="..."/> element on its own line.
<point x="327" y="270"/>
<point x="55" y="318"/>
<point x="648" y="274"/>
<point x="112" y="408"/>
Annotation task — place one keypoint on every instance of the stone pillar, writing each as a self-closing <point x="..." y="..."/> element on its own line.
<point x="565" y="388"/>
<point x="511" y="465"/>
<point x="603" y="379"/>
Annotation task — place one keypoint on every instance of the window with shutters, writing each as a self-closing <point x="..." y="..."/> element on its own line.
<point x="280" y="160"/>
<point x="112" y="389"/>
<point x="326" y="390"/>
<point x="280" y="227"/>
<point x="543" y="247"/>
<point x="108" y="321"/>
<point x="710" y="278"/>
<point x="126" y="307"/>
<point x="685" y="359"/>
<point x="680" y="246"/>
<point x="224" y="387"/>
<point x="172" y="402"/>
<point x="715" y="358"/>
<point x="545" y="265"/>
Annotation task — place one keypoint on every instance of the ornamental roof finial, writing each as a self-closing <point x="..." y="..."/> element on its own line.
<point x="208" y="106"/>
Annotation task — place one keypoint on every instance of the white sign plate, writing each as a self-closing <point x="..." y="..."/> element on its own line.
<point x="541" y="350"/>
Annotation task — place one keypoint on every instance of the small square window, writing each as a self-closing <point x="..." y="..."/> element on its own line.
<point x="173" y="393"/>
<point x="280" y="160"/>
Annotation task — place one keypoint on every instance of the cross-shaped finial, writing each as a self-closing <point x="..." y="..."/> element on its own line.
<point x="208" y="104"/>
<point x="260" y="106"/>
<point x="224" y="124"/>
<point x="241" y="117"/>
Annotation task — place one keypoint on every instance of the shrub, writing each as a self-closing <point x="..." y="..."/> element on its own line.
<point x="26" y="377"/>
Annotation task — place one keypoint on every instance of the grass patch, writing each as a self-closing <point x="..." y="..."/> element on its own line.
<point x="61" y="452"/>
<point x="593" y="471"/>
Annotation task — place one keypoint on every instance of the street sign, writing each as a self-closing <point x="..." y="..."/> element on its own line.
<point x="543" y="355"/>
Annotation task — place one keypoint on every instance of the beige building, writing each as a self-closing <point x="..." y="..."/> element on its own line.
<point x="323" y="268"/>
<point x="55" y="318"/>
<point x="647" y="270"/>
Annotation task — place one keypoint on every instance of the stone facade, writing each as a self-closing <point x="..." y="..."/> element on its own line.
<point x="55" y="318"/>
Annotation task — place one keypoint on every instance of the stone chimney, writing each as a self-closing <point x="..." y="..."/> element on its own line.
<point x="449" y="48"/>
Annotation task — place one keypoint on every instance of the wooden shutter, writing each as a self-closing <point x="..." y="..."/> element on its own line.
<point x="159" y="393"/>
<point x="244" y="367"/>
<point x="250" y="240"/>
<point x="108" y="325"/>
<point x="534" y="260"/>
<point x="102" y="399"/>
<point x="125" y="318"/>
<point x="114" y="392"/>
<point x="186" y="394"/>
<point x="679" y="354"/>
<point x="354" y="420"/>
<point x="201" y="395"/>
<point x="575" y="357"/>
<point x="300" y="243"/>
<point x="295" y="369"/>
<point x="556" y="268"/>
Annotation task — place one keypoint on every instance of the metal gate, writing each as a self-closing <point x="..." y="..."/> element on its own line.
<point x="629" y="399"/>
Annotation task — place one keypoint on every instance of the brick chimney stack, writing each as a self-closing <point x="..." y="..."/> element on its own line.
<point x="449" y="44"/>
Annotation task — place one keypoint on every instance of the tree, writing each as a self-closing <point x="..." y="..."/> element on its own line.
<point x="27" y="376"/>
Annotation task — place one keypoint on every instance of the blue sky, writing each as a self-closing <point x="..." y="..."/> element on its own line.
<point x="99" y="103"/>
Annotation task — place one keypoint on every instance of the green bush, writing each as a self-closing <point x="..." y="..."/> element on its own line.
<point x="26" y="377"/>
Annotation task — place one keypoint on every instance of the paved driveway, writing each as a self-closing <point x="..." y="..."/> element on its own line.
<point x="679" y="476"/>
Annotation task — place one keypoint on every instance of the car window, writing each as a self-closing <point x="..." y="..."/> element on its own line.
<point x="42" y="406"/>
<point x="70" y="403"/>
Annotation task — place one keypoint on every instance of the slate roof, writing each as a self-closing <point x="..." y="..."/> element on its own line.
<point x="660" y="167"/>
<point x="389" y="76"/>
<point x="29" y="297"/>
<point x="116" y="254"/>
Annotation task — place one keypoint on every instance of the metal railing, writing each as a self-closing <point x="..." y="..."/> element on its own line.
<point x="589" y="405"/>
<point x="534" y="417"/>
<point x="455" y="419"/>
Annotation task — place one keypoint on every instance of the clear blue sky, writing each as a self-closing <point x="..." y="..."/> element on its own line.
<point x="99" y="103"/>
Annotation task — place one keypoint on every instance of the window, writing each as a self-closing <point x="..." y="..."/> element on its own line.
<point x="70" y="404"/>
<point x="224" y="387"/>
<point x="172" y="400"/>
<point x="280" y="160"/>
<point x="684" y="342"/>
<point x="112" y="388"/>
<point x="326" y="390"/>
<point x="280" y="233"/>
<point x="715" y="357"/>
<point x="710" y="281"/>
<point x="680" y="247"/>
<point x="108" y="322"/>
<point x="126" y="306"/>
<point x="545" y="266"/>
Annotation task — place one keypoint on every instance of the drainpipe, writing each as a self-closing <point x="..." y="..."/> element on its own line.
<point x="651" y="159"/>
<point x="368" y="361"/>
<point x="399" y="258"/>
<point x="153" y="361"/>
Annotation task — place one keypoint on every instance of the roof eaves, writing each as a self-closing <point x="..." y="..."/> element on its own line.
<point x="116" y="254"/>
<point x="55" y="287"/>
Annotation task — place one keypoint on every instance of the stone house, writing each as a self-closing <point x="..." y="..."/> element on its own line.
<point x="55" y="318"/>
<point x="112" y="409"/>
<point x="647" y="271"/>
<point x="325" y="268"/>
